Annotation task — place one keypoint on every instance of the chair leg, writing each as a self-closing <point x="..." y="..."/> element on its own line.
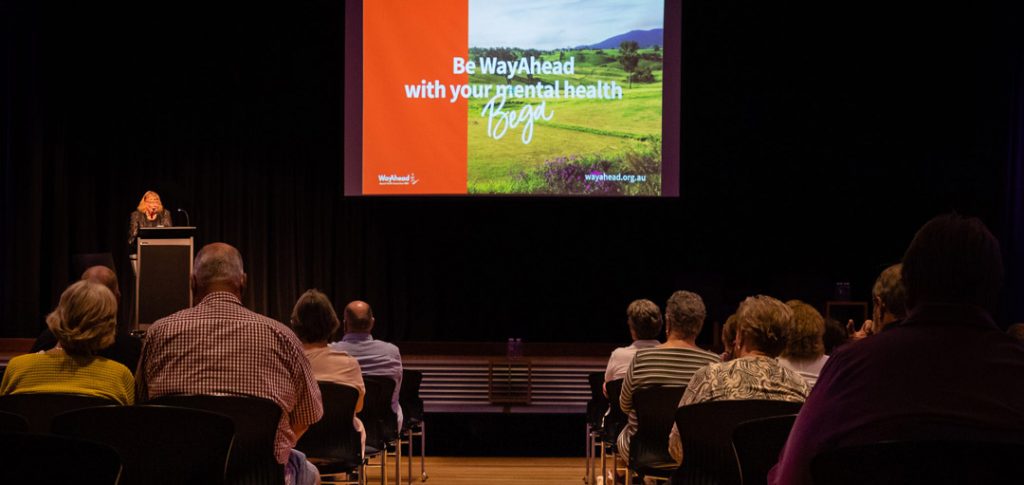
<point x="423" y="451"/>
<point x="384" y="464"/>
<point x="398" y="460"/>
<point x="408" y="436"/>
<point x="587" y="478"/>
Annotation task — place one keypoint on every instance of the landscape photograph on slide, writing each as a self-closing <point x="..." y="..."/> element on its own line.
<point x="576" y="100"/>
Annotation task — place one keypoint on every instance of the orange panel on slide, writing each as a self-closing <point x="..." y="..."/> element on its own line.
<point x="417" y="145"/>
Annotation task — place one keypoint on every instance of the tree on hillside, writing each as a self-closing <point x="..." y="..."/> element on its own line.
<point x="656" y="48"/>
<point x="628" y="57"/>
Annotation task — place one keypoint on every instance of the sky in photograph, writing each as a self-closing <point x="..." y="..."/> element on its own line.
<point x="550" y="24"/>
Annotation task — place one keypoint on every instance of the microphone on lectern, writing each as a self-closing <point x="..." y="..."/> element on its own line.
<point x="188" y="220"/>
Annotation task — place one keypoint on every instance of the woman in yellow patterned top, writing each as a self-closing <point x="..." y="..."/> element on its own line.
<point x="84" y="323"/>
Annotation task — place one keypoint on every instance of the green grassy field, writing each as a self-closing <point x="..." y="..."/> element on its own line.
<point x="589" y="129"/>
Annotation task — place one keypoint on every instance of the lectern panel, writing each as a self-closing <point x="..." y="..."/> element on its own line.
<point x="163" y="281"/>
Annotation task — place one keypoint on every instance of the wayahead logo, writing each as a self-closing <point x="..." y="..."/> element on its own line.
<point x="394" y="179"/>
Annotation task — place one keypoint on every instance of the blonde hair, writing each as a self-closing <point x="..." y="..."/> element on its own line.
<point x="148" y="194"/>
<point x="764" y="323"/>
<point x="644" y="317"/>
<point x="806" y="339"/>
<point x="85" y="320"/>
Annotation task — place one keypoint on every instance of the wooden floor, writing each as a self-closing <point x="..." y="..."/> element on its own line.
<point x="491" y="471"/>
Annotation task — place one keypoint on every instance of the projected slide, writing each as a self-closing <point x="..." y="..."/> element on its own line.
<point x="502" y="97"/>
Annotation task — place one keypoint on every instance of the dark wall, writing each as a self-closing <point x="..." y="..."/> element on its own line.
<point x="816" y="138"/>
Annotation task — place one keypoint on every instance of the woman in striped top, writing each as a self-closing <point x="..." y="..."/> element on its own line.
<point x="670" y="364"/>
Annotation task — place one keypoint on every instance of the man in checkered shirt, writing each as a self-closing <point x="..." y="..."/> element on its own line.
<point x="218" y="347"/>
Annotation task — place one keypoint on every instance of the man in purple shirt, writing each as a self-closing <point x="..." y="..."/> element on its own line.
<point x="946" y="372"/>
<point x="376" y="357"/>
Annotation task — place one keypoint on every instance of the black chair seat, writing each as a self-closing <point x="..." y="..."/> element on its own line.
<point x="39" y="409"/>
<point x="12" y="423"/>
<point x="50" y="459"/>
<point x="251" y="460"/>
<point x="706" y="431"/>
<point x="758" y="443"/>
<point x="158" y="444"/>
<point x="655" y="408"/>
<point x="333" y="444"/>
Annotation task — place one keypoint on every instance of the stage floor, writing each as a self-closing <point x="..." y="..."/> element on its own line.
<point x="443" y="470"/>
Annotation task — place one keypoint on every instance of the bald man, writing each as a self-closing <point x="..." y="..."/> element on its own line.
<point x="376" y="357"/>
<point x="125" y="348"/>
<point x="220" y="347"/>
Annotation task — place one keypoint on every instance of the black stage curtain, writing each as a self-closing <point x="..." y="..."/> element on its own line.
<point x="816" y="139"/>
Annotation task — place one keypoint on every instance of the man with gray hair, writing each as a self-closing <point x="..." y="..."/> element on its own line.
<point x="219" y="347"/>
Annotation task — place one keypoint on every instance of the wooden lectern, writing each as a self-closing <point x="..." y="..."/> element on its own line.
<point x="162" y="284"/>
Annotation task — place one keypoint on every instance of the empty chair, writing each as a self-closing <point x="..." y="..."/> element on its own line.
<point x="333" y="444"/>
<point x="251" y="460"/>
<point x="919" y="463"/>
<point x="12" y="423"/>
<point x="414" y="424"/>
<point x="157" y="444"/>
<point x="757" y="444"/>
<point x="49" y="459"/>
<point x="706" y="429"/>
<point x="40" y="408"/>
<point x="380" y="421"/>
<point x="655" y="412"/>
<point x="597" y="406"/>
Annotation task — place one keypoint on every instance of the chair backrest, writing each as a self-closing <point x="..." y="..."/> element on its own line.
<point x="157" y="444"/>
<point x="655" y="412"/>
<point x="39" y="409"/>
<point x="616" y="419"/>
<point x="919" y="462"/>
<point x="598" y="403"/>
<point x="333" y="442"/>
<point x="757" y="444"/>
<point x="47" y="458"/>
<point x="251" y="460"/>
<point x="706" y="433"/>
<point x="409" y="395"/>
<point x="12" y="423"/>
<point x="378" y="418"/>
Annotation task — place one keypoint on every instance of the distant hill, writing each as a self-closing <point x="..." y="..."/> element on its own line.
<point x="645" y="38"/>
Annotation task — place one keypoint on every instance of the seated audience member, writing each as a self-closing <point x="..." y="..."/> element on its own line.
<point x="126" y="348"/>
<point x="645" y="335"/>
<point x="220" y="347"/>
<point x="889" y="297"/>
<point x="1016" y="331"/>
<point x="376" y="357"/>
<point x="672" y="363"/>
<point x="762" y="326"/>
<point x="945" y="372"/>
<point x="84" y="323"/>
<point x="314" y="321"/>
<point x="805" y="347"/>
<point x="729" y="338"/>
<point x="836" y="335"/>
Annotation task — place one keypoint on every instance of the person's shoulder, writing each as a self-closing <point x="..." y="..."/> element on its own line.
<point x="25" y="360"/>
<point x="711" y="357"/>
<point x="389" y="346"/>
<point x="622" y="352"/>
<point x="111" y="366"/>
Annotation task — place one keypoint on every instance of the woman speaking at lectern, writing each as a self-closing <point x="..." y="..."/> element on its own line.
<point x="149" y="213"/>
